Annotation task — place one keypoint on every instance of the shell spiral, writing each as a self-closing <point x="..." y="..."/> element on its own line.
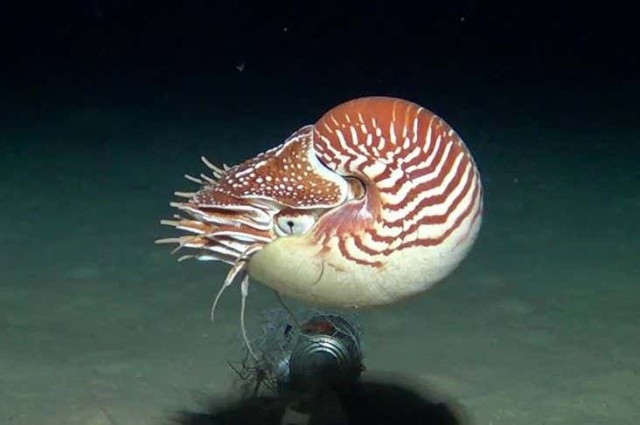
<point x="375" y="202"/>
<point x="415" y="218"/>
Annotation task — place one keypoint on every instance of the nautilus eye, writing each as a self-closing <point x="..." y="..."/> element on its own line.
<point x="293" y="223"/>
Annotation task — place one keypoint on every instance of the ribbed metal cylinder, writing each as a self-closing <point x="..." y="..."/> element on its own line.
<point x="326" y="359"/>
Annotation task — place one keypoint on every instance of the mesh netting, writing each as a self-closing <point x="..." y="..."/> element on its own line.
<point x="276" y="338"/>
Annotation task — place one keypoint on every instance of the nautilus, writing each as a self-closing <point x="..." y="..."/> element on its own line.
<point x="374" y="203"/>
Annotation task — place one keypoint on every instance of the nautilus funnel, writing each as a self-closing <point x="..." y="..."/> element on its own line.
<point x="375" y="202"/>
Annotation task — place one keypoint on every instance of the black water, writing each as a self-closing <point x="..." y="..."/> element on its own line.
<point x="106" y="104"/>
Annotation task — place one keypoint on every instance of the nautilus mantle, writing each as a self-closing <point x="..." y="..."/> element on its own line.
<point x="375" y="202"/>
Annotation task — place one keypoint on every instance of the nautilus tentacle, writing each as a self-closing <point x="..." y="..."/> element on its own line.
<point x="375" y="202"/>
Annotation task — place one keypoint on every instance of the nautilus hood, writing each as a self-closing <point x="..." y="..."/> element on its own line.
<point x="290" y="175"/>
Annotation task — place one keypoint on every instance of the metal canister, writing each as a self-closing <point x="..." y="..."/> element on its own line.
<point x="327" y="354"/>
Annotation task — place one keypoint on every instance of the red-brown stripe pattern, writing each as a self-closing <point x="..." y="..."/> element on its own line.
<point x="422" y="185"/>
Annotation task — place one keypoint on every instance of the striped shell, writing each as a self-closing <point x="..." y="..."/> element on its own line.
<point x="375" y="202"/>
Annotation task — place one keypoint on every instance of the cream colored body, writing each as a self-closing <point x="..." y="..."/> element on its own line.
<point x="293" y="267"/>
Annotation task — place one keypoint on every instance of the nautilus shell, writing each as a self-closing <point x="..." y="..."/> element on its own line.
<point x="376" y="202"/>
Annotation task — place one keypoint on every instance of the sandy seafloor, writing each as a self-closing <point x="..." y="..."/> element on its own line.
<point x="98" y="325"/>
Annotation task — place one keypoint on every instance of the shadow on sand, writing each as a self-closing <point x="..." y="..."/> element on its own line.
<point x="380" y="400"/>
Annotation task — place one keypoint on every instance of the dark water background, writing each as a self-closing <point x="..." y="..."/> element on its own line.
<point x="106" y="104"/>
